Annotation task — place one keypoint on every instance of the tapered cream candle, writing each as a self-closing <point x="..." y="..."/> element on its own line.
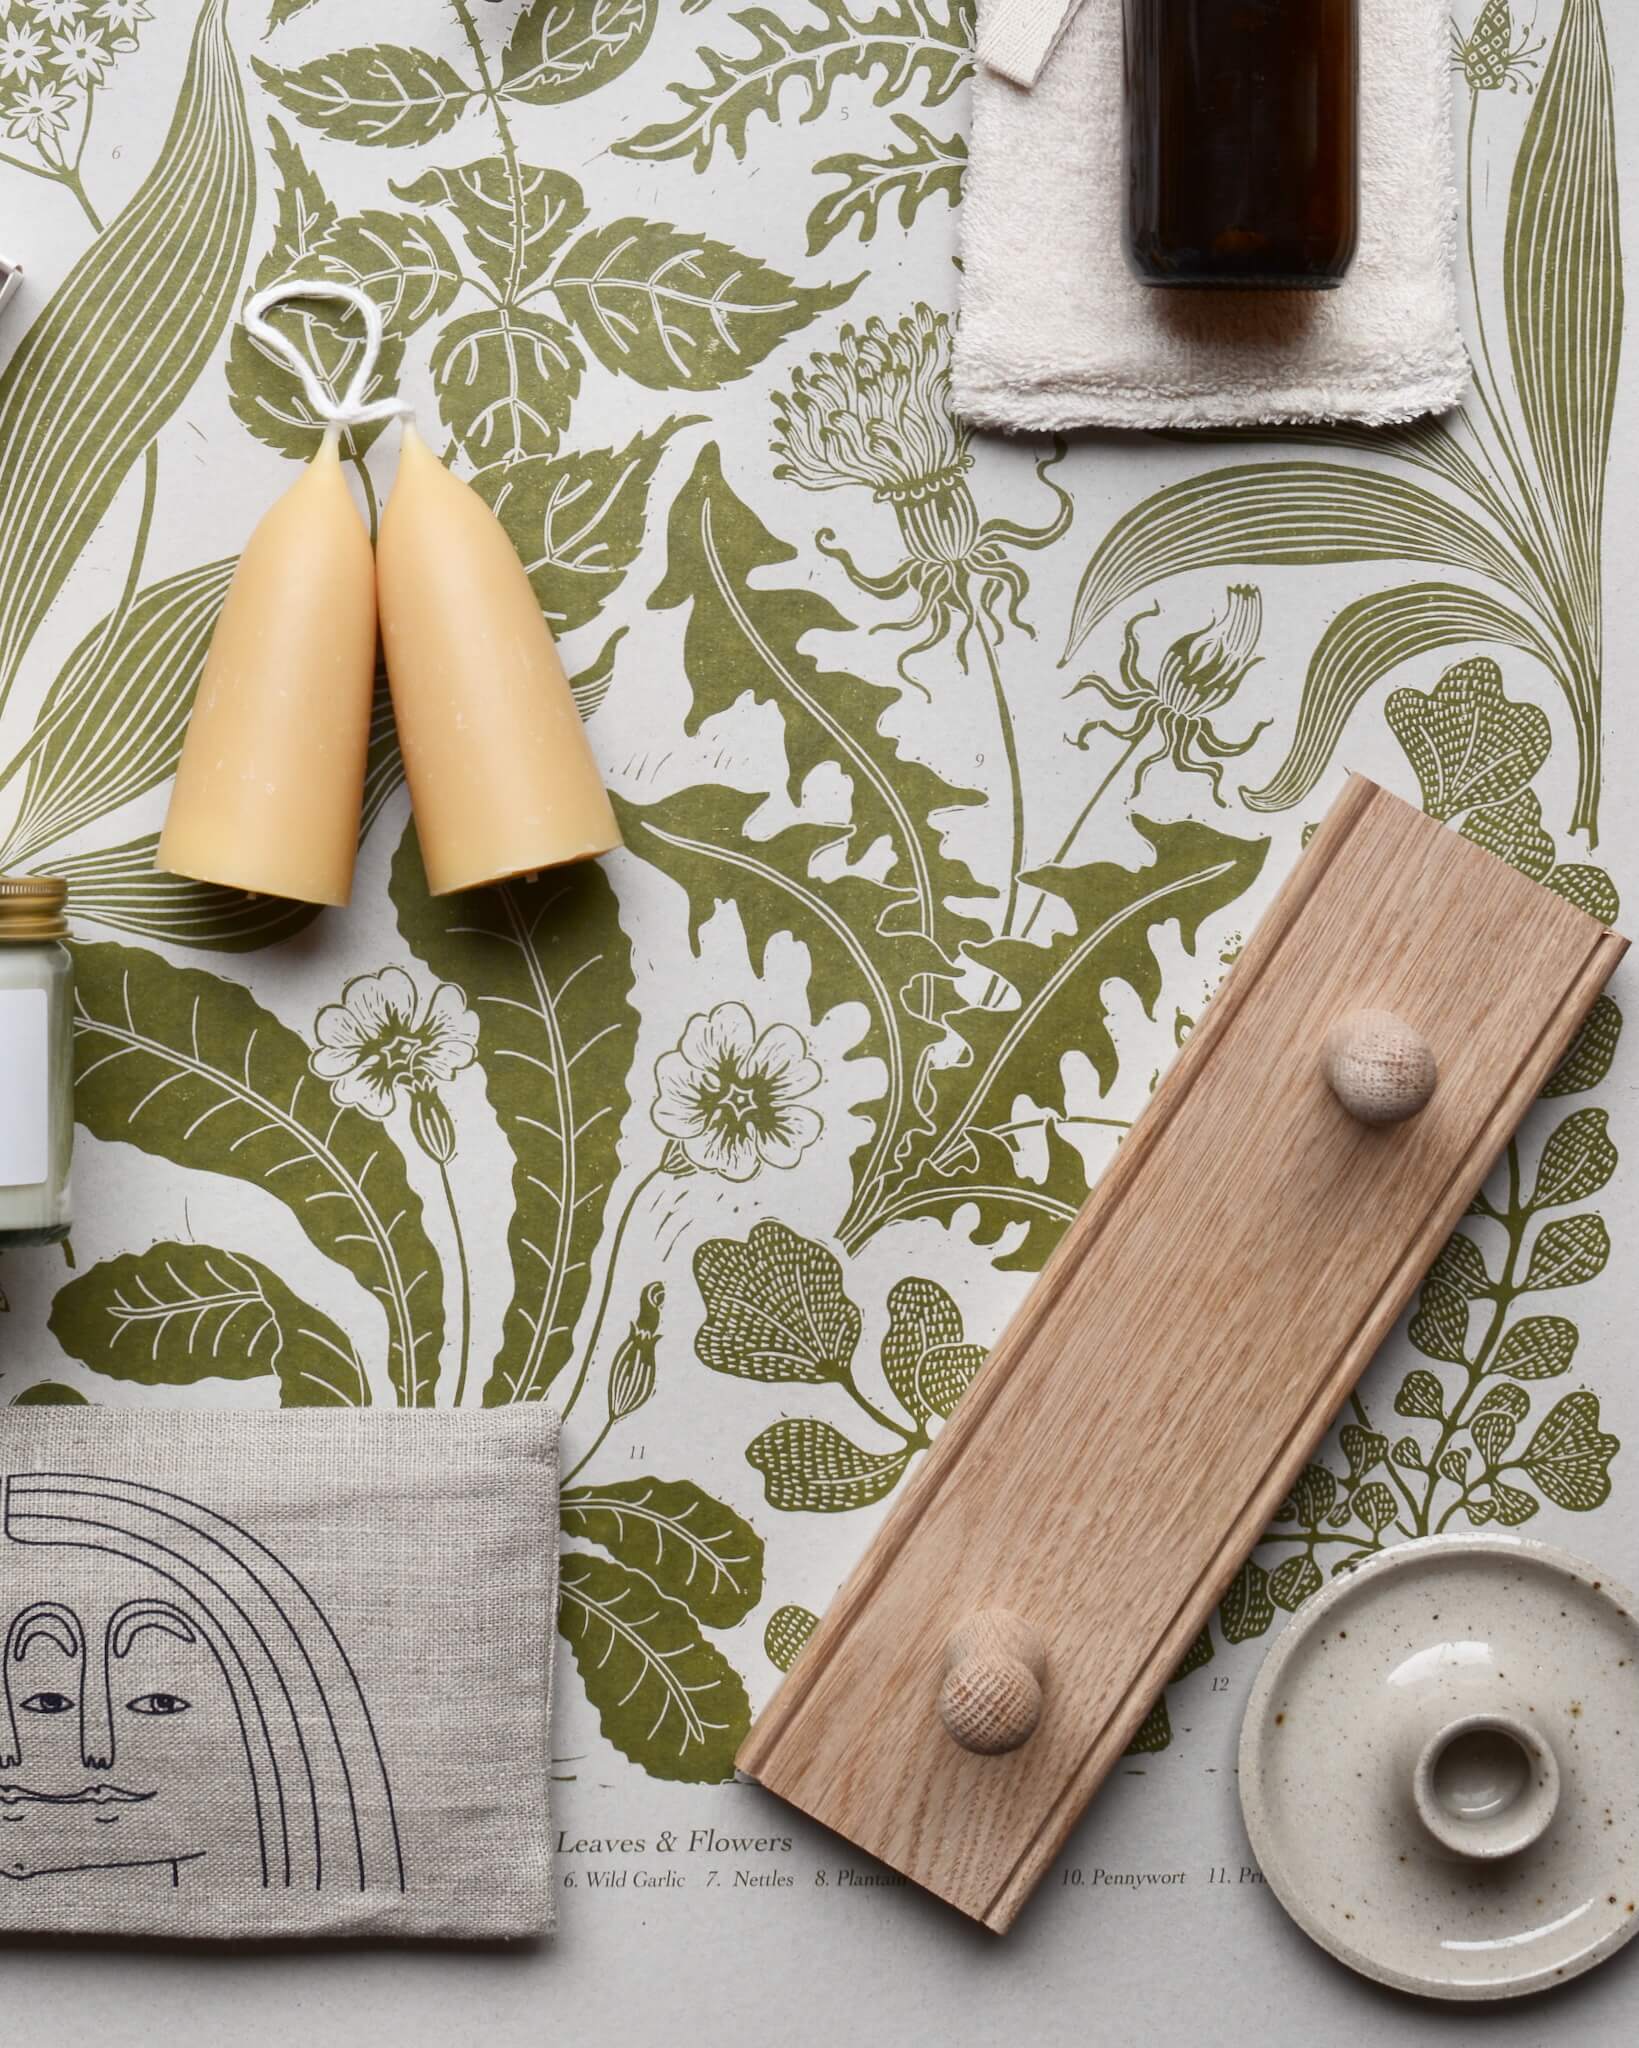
<point x="271" y="781"/>
<point x="502" y="780"/>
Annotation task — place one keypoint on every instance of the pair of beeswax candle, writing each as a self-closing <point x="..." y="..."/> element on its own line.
<point x="271" y="783"/>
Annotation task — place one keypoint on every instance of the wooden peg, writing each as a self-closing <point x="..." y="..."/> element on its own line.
<point x="1378" y="1067"/>
<point x="990" y="1701"/>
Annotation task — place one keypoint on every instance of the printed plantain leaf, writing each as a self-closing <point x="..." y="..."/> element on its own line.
<point x="151" y="293"/>
<point x="694" y="1548"/>
<point x="191" y="1069"/>
<point x="1577" y="1161"/>
<point x="1563" y="291"/>
<point x="1246" y="1610"/>
<point x="513" y="217"/>
<point x="901" y="46"/>
<point x="387" y="95"/>
<point x="1281" y="514"/>
<point x="1514" y="832"/>
<point x="548" y="970"/>
<point x="579" y="521"/>
<point x="775" y="1308"/>
<point x="1367" y="641"/>
<point x="676" y="311"/>
<point x="264" y="393"/>
<point x="506" y="382"/>
<point x="963" y="1155"/>
<point x="1469" y="742"/>
<point x="592" y="685"/>
<point x="907" y="176"/>
<point x="787" y="1634"/>
<point x="111" y="725"/>
<point x="1588" y="1059"/>
<point x="924" y="1359"/>
<point x="1569" y="1457"/>
<point x="1537" y="1348"/>
<point x="180" y="1313"/>
<point x="1568" y="1252"/>
<point x="560" y="49"/>
<point x="666" y="1698"/>
<point x="810" y="1468"/>
<point x="120" y="887"/>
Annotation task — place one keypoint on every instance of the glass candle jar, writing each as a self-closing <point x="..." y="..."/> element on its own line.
<point x="36" y="1060"/>
<point x="1242" y="142"/>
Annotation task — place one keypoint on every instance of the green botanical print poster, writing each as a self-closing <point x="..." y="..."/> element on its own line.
<point x="952" y="771"/>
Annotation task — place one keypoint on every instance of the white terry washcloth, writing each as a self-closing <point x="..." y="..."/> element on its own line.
<point x="1055" y="331"/>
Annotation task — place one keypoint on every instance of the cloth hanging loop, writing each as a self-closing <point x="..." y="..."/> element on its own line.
<point x="1019" y="36"/>
<point x="352" y="408"/>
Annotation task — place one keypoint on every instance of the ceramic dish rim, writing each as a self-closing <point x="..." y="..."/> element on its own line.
<point x="1255" y="1809"/>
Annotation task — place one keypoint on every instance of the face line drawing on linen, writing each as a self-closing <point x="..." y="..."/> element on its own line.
<point x="172" y="1695"/>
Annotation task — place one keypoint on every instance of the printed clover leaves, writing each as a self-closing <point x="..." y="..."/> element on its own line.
<point x="776" y="1311"/>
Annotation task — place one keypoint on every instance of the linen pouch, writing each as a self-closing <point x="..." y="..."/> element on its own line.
<point x="276" y="1673"/>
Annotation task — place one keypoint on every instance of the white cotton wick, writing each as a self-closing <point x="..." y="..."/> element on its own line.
<point x="352" y="408"/>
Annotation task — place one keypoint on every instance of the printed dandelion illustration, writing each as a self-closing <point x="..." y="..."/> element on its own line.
<point x="1196" y="676"/>
<point x="876" y="415"/>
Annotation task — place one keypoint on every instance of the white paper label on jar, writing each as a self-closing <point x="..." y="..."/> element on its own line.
<point x="25" y="1081"/>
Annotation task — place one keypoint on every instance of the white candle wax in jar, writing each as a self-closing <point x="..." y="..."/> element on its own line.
<point x="36" y="1060"/>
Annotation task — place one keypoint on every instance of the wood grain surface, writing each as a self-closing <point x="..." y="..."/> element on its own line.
<point x="1185" y="1349"/>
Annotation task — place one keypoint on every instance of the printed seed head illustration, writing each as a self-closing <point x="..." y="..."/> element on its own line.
<point x="173" y="1703"/>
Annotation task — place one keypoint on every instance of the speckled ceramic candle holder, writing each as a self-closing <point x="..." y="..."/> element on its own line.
<point x="1463" y="1714"/>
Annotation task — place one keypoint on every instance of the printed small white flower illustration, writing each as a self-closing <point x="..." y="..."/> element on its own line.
<point x="22" y="48"/>
<point x="124" y="16"/>
<point x="38" y="111"/>
<point x="380" y="1040"/>
<point x="731" y="1100"/>
<point x="56" y="13"/>
<point x="81" y="54"/>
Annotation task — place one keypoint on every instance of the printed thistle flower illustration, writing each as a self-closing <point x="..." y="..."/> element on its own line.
<point x="632" y="1376"/>
<point x="729" y="1100"/>
<point x="1198" y="674"/>
<point x="380" y="1042"/>
<point x="1489" y="57"/>
<point x="876" y="416"/>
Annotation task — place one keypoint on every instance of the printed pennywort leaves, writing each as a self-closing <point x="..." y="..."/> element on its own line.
<point x="775" y="1309"/>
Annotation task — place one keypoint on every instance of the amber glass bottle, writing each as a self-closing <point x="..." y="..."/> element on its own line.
<point x="1242" y="141"/>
